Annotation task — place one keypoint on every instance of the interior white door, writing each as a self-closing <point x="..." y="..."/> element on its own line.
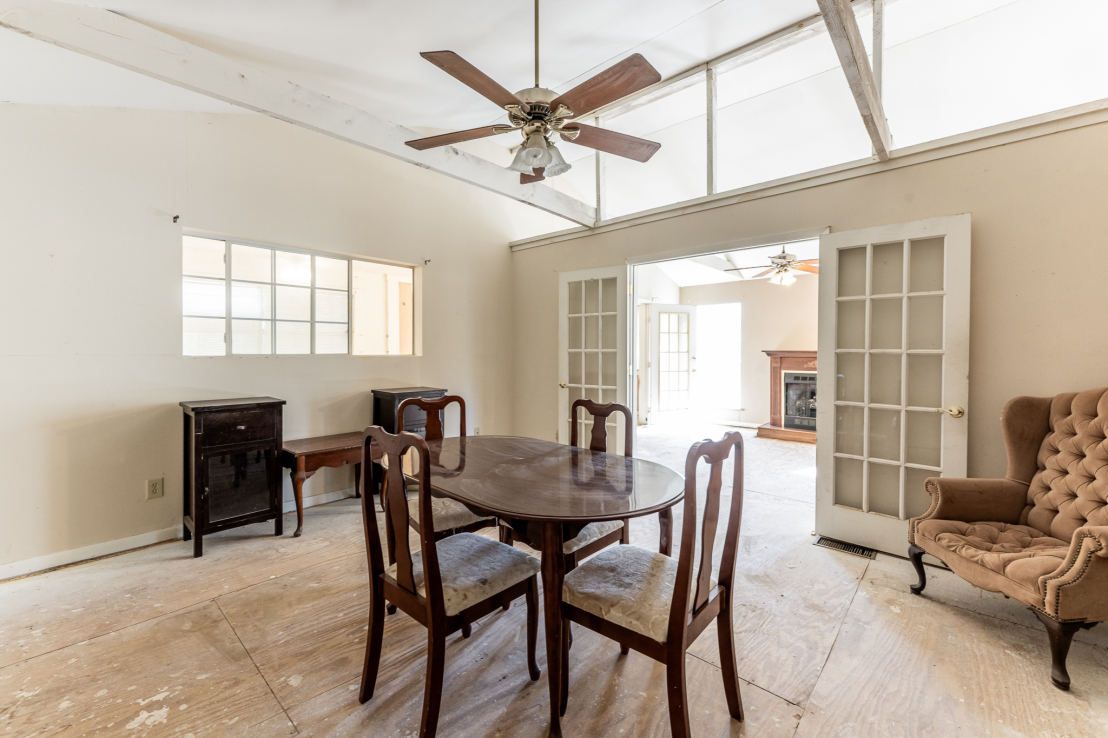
<point x="894" y="363"/>
<point x="592" y="347"/>
<point x="672" y="359"/>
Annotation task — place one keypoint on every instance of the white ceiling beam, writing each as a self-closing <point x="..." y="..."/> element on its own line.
<point x="117" y="40"/>
<point x="838" y="15"/>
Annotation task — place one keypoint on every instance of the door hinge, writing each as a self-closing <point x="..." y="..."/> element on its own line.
<point x="631" y="289"/>
<point x="630" y="370"/>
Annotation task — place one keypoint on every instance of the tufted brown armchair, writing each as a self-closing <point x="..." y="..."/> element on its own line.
<point x="1040" y="535"/>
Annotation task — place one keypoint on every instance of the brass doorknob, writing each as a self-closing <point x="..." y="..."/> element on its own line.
<point x="563" y="385"/>
<point x="953" y="411"/>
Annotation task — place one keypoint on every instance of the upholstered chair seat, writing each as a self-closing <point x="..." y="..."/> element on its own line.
<point x="446" y="514"/>
<point x="591" y="533"/>
<point x="629" y="586"/>
<point x="473" y="568"/>
<point x="1040" y="535"/>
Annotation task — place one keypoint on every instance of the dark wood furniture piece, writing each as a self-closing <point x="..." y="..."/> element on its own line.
<point x="779" y="363"/>
<point x="598" y="535"/>
<point x="696" y="599"/>
<point x="567" y="488"/>
<point x="232" y="468"/>
<point x="305" y="456"/>
<point x="386" y="408"/>
<point x="446" y="585"/>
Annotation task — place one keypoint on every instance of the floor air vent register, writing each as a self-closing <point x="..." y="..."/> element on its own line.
<point x="850" y="548"/>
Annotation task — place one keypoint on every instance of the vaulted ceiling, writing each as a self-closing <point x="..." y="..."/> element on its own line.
<point x="367" y="53"/>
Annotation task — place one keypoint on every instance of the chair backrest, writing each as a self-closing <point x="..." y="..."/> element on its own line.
<point x="1057" y="446"/>
<point x="696" y="587"/>
<point x="600" y="413"/>
<point x="434" y="409"/>
<point x="396" y="512"/>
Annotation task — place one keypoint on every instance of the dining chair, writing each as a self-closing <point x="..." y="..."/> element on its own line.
<point x="446" y="585"/>
<point x="659" y="605"/>
<point x="599" y="535"/>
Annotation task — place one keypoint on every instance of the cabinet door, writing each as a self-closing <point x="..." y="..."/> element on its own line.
<point x="239" y="483"/>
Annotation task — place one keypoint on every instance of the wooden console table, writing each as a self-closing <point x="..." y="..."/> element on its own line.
<point x="305" y="456"/>
<point x="779" y="363"/>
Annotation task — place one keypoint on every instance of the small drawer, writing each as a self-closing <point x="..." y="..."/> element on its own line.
<point x="221" y="429"/>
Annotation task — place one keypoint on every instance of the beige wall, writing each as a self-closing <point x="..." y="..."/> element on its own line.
<point x="1040" y="265"/>
<point x="90" y="294"/>
<point x="774" y="318"/>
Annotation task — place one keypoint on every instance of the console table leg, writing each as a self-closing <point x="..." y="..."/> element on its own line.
<point x="197" y="545"/>
<point x="298" y="487"/>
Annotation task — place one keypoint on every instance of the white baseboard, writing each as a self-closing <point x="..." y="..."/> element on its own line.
<point x="63" y="558"/>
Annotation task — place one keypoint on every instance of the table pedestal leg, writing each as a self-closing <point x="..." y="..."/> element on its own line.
<point x="553" y="573"/>
<point x="665" y="524"/>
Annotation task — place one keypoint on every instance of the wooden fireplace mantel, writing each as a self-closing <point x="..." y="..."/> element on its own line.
<point x="779" y="362"/>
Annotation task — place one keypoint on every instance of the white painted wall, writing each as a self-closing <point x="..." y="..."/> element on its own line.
<point x="1036" y="321"/>
<point x="652" y="285"/>
<point x="774" y="317"/>
<point x="90" y="294"/>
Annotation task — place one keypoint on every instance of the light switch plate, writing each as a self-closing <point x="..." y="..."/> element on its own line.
<point x="155" y="488"/>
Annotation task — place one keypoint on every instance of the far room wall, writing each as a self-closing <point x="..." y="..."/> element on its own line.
<point x="774" y="317"/>
<point x="91" y="298"/>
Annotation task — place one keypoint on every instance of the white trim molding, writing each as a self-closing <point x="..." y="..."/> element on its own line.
<point x="107" y="36"/>
<point x="95" y="551"/>
<point x="1045" y="124"/>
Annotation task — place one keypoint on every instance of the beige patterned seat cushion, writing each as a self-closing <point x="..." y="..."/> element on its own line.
<point x="446" y="513"/>
<point x="591" y="533"/>
<point x="1019" y="553"/>
<point x="628" y="586"/>
<point x="473" y="568"/>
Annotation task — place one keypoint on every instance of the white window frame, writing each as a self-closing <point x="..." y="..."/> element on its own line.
<point x="228" y="282"/>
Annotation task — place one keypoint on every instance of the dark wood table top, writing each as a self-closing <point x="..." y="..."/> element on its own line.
<point x="529" y="479"/>
<point x="337" y="442"/>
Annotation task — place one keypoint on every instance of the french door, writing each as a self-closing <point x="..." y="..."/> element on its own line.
<point x="893" y="378"/>
<point x="672" y="359"/>
<point x="592" y="347"/>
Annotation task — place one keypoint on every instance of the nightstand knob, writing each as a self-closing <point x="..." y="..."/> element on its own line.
<point x="242" y="427"/>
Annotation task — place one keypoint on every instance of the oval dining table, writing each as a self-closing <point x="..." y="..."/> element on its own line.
<point x="561" y="488"/>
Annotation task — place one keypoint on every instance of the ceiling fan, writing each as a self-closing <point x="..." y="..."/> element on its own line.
<point x="782" y="267"/>
<point x="538" y="113"/>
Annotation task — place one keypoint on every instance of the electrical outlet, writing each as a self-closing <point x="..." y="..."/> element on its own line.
<point x="476" y="431"/>
<point x="155" y="488"/>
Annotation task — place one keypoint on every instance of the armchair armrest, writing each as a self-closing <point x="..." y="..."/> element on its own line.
<point x="973" y="500"/>
<point x="1078" y="590"/>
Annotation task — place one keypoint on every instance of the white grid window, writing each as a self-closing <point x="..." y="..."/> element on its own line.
<point x="240" y="298"/>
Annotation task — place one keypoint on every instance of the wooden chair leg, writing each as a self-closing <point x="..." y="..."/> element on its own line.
<point x="915" y="554"/>
<point x="432" y="690"/>
<point x="678" y="700"/>
<point x="1061" y="636"/>
<point x="728" y="666"/>
<point x="532" y="627"/>
<point x="625" y="535"/>
<point x="567" y="638"/>
<point x="373" y="642"/>
<point x="390" y="539"/>
<point x="467" y="629"/>
<point x="624" y="649"/>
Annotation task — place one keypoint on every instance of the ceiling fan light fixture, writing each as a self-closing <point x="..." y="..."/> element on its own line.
<point x="519" y="165"/>
<point x="783" y="278"/>
<point x="535" y="152"/>
<point x="557" y="163"/>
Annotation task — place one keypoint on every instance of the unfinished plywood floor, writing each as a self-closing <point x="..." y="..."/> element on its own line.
<point x="264" y="637"/>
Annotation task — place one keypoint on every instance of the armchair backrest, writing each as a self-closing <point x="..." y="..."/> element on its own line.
<point x="599" y="439"/>
<point x="434" y="408"/>
<point x="1056" y="445"/>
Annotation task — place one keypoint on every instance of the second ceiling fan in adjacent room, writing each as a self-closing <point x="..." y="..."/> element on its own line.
<point x="538" y="113"/>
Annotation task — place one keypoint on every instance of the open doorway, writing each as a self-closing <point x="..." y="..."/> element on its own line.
<point x="709" y="331"/>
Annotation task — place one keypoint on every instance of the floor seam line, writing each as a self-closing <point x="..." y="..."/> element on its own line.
<point x="751" y="682"/>
<point x="257" y="669"/>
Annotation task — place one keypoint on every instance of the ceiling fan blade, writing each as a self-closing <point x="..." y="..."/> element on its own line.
<point x="762" y="274"/>
<point x="445" y="139"/>
<point x="536" y="177"/>
<point x="472" y="77"/>
<point x="630" y="75"/>
<point x="743" y="269"/>
<point x="611" y="142"/>
<point x="806" y="268"/>
<point x="808" y="261"/>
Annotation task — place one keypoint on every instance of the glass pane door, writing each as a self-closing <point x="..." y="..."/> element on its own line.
<point x="238" y="484"/>
<point x="897" y="324"/>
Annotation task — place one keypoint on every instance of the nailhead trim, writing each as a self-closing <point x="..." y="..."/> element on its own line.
<point x="1064" y="572"/>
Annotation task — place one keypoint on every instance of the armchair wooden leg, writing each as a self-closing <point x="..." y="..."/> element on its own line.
<point x="678" y="700"/>
<point x="915" y="554"/>
<point x="1061" y="636"/>
<point x="432" y="690"/>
